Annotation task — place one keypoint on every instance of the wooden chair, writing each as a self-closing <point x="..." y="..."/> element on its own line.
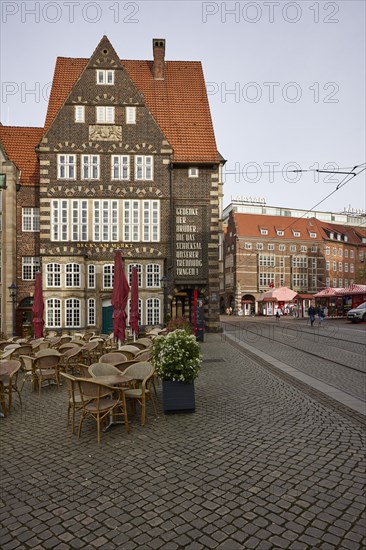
<point x="27" y="366"/>
<point x="113" y="358"/>
<point x="70" y="359"/>
<point x="90" y="352"/>
<point x="142" y="374"/>
<point x="83" y="370"/>
<point x="10" y="379"/>
<point x="99" y="402"/>
<point x="103" y="369"/>
<point x="2" y="399"/>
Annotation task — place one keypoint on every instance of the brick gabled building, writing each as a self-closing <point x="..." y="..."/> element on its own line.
<point x="127" y="160"/>
<point x="305" y="255"/>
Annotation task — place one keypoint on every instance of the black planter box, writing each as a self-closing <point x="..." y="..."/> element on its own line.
<point x="178" y="397"/>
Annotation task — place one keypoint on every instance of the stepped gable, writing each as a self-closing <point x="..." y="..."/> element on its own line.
<point x="19" y="145"/>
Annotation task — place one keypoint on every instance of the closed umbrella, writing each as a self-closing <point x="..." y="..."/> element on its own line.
<point x="38" y="307"/>
<point x="119" y="298"/>
<point x="134" y="309"/>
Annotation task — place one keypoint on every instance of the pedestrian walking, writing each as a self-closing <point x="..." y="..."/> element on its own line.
<point x="278" y="316"/>
<point x="311" y="313"/>
<point x="321" y="316"/>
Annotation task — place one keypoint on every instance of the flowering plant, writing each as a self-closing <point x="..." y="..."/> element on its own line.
<point x="177" y="356"/>
<point x="181" y="323"/>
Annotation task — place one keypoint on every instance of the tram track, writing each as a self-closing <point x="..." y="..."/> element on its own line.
<point x="269" y="334"/>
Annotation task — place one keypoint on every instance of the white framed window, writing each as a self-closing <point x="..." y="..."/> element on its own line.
<point x="312" y="235"/>
<point x="72" y="275"/>
<point x="340" y="266"/>
<point x="79" y="223"/>
<point x="351" y="268"/>
<point x="266" y="279"/>
<point x="327" y="281"/>
<point x="60" y="220"/>
<point x="120" y="167"/>
<point x="151" y="217"/>
<point x="280" y="233"/>
<point x="105" y="76"/>
<point x="193" y="172"/>
<point x="66" y="167"/>
<point x="346" y="253"/>
<point x="259" y="246"/>
<point x="141" y="220"/>
<point x="139" y="274"/>
<point x="30" y="266"/>
<point x="271" y="246"/>
<point x="53" y="275"/>
<point x="91" y="276"/>
<point x="346" y="267"/>
<point x="153" y="276"/>
<point x="130" y="115"/>
<point x="282" y="248"/>
<point x="296" y="233"/>
<point x="79" y="113"/>
<point x="108" y="275"/>
<point x="334" y="266"/>
<point x="335" y="282"/>
<point x="72" y="312"/>
<point x="340" y="282"/>
<point x="90" y="167"/>
<point x="105" y="220"/>
<point x="144" y="167"/>
<point x="299" y="261"/>
<point x="266" y="261"/>
<point x="340" y="252"/>
<point x="293" y="248"/>
<point x="282" y="279"/>
<point x="30" y="219"/>
<point x="91" y="305"/>
<point x="300" y="280"/>
<point x="53" y="313"/>
<point x="346" y="283"/>
<point x="282" y="261"/>
<point x="264" y="231"/>
<point x="105" y="114"/>
<point x="334" y="252"/>
<point x="248" y="246"/>
<point x="303" y="248"/>
<point x="314" y="249"/>
<point x="327" y="251"/>
<point x="153" y="311"/>
<point x="327" y="265"/>
<point x="351" y="253"/>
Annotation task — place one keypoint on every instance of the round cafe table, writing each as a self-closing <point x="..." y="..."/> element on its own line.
<point x="113" y="379"/>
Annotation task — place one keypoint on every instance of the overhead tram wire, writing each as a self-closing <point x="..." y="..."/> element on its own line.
<point x="344" y="181"/>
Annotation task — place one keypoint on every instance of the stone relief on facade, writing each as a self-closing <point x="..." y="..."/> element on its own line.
<point x="105" y="133"/>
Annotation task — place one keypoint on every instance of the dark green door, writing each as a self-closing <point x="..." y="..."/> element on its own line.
<point x="107" y="324"/>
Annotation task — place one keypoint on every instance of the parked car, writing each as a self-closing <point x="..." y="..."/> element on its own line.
<point x="358" y="313"/>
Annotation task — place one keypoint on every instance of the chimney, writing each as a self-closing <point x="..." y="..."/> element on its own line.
<point x="159" y="54"/>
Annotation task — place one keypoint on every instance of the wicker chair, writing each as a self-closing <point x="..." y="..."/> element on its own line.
<point x="114" y="358"/>
<point x="2" y="399"/>
<point x="45" y="368"/>
<point x="74" y="399"/>
<point x="103" y="369"/>
<point x="10" y="379"/>
<point x="99" y="402"/>
<point x="142" y="374"/>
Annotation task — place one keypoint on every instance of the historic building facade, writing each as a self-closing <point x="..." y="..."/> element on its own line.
<point x="306" y="255"/>
<point x="127" y="160"/>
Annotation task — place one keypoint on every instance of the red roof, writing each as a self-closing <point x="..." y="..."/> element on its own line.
<point x="179" y="103"/>
<point x="250" y="225"/>
<point x="19" y="145"/>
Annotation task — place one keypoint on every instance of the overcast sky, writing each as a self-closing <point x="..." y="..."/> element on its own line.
<point x="286" y="80"/>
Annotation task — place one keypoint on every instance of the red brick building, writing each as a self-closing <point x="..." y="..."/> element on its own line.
<point x="127" y="160"/>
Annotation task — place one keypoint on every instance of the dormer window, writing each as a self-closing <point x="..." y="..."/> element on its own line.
<point x="345" y="238"/>
<point x="193" y="172"/>
<point x="79" y="113"/>
<point x="264" y="231"/>
<point x="130" y="115"/>
<point x="339" y="236"/>
<point x="280" y="232"/>
<point x="296" y="233"/>
<point x="312" y="235"/>
<point x="105" y="77"/>
<point x="331" y="235"/>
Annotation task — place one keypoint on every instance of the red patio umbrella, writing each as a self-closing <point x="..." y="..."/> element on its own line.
<point x="119" y="298"/>
<point x="38" y="307"/>
<point x="134" y="309"/>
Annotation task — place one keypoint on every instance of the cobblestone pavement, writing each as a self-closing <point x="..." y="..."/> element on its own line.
<point x="258" y="465"/>
<point x="337" y="349"/>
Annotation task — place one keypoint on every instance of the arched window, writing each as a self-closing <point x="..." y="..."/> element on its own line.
<point x="91" y="311"/>
<point x="153" y="311"/>
<point x="72" y="275"/>
<point x="53" y="313"/>
<point x="72" y="313"/>
<point x="53" y="272"/>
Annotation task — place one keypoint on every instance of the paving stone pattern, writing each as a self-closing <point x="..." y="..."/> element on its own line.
<point x="258" y="465"/>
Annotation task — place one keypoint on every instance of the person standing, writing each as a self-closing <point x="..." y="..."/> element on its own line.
<point x="321" y="315"/>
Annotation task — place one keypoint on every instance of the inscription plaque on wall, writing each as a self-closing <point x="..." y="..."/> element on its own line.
<point x="99" y="132"/>
<point x="189" y="247"/>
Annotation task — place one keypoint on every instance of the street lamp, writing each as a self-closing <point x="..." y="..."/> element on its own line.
<point x="164" y="283"/>
<point x="13" y="295"/>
